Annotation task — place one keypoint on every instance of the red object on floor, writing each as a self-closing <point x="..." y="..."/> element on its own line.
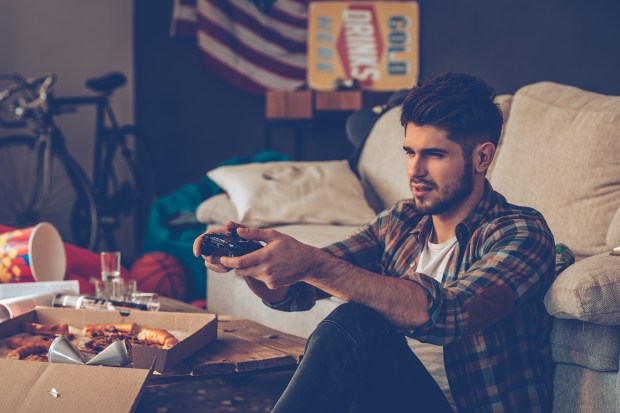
<point x="200" y="304"/>
<point x="82" y="265"/>
<point x="160" y="273"/>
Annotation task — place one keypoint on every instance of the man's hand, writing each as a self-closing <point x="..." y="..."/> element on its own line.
<point x="220" y="264"/>
<point x="282" y="262"/>
<point x="213" y="262"/>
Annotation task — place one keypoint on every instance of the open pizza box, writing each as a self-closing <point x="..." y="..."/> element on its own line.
<point x="28" y="386"/>
<point x="193" y="330"/>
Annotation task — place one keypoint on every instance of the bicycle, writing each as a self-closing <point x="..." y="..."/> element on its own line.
<point x="41" y="181"/>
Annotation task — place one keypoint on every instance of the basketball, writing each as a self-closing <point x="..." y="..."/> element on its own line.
<point x="161" y="273"/>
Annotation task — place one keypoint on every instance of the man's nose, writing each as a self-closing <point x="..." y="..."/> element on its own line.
<point x="416" y="167"/>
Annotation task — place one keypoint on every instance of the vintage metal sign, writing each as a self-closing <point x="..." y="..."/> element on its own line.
<point x="376" y="43"/>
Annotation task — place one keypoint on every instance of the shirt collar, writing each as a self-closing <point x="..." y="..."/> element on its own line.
<point x="468" y="225"/>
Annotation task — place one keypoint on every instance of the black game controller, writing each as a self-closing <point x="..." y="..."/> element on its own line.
<point x="227" y="245"/>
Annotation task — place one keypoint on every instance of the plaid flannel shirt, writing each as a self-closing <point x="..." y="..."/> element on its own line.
<point x="488" y="312"/>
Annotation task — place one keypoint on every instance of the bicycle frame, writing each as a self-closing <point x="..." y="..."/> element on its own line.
<point x="103" y="111"/>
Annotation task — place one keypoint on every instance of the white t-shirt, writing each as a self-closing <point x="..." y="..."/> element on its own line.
<point x="432" y="262"/>
<point x="434" y="258"/>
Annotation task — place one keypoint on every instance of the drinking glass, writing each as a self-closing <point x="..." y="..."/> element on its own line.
<point x="130" y="289"/>
<point x="150" y="299"/>
<point x="110" y="265"/>
<point x="103" y="289"/>
<point x="118" y="289"/>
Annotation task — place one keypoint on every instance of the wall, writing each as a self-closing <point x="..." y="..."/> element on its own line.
<point x="75" y="39"/>
<point x="196" y="120"/>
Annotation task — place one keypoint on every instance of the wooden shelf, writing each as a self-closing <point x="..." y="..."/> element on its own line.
<point x="303" y="104"/>
<point x="289" y="105"/>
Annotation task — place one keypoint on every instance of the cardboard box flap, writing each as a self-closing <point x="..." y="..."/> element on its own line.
<point x="25" y="387"/>
<point x="190" y="322"/>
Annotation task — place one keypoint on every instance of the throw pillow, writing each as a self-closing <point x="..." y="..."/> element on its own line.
<point x="588" y="290"/>
<point x="295" y="192"/>
<point x="219" y="209"/>
<point x="561" y="155"/>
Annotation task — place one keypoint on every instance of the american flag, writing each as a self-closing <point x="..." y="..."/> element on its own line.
<point x="254" y="49"/>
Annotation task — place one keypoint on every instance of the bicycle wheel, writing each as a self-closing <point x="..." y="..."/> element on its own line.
<point x="70" y="206"/>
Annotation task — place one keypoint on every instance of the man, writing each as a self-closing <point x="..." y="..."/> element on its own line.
<point x="455" y="265"/>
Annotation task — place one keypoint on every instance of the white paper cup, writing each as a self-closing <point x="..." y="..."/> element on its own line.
<point x="47" y="253"/>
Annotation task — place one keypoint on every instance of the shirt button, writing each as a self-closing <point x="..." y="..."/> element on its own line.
<point x="412" y="265"/>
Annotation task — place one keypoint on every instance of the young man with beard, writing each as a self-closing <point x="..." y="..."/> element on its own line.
<point x="456" y="265"/>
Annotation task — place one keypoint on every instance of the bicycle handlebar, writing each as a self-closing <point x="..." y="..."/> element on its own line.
<point x="33" y="98"/>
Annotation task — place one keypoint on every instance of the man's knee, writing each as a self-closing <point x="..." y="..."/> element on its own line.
<point x="355" y="321"/>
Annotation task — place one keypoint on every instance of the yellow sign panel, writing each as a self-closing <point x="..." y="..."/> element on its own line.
<point x="376" y="43"/>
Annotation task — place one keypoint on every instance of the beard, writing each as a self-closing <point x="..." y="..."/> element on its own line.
<point x="448" y="196"/>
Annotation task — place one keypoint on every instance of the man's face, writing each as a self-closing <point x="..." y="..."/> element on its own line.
<point x="439" y="176"/>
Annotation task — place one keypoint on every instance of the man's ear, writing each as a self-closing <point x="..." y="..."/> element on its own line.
<point x="483" y="156"/>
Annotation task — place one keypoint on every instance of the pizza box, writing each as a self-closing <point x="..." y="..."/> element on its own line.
<point x="29" y="386"/>
<point x="193" y="330"/>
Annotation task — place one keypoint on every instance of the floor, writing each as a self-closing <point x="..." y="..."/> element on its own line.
<point x="254" y="393"/>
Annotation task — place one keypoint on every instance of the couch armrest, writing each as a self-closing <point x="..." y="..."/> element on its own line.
<point x="588" y="290"/>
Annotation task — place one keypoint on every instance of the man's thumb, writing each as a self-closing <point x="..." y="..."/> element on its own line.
<point x="256" y="234"/>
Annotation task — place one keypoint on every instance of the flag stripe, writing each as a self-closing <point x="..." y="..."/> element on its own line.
<point x="298" y="10"/>
<point x="287" y="18"/>
<point x="284" y="64"/>
<point x="245" y="12"/>
<point x="247" y="32"/>
<point x="251" y="49"/>
<point x="183" y="20"/>
<point x="228" y="57"/>
<point x="249" y="39"/>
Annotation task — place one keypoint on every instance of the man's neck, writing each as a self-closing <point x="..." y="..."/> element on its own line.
<point x="444" y="225"/>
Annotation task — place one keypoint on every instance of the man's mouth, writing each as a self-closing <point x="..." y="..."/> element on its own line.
<point x="420" y="189"/>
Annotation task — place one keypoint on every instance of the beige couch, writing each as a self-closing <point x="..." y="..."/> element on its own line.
<point x="559" y="153"/>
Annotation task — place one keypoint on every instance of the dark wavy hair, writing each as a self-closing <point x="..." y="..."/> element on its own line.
<point x="460" y="104"/>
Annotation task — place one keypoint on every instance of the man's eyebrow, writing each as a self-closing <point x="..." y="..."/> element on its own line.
<point x="426" y="151"/>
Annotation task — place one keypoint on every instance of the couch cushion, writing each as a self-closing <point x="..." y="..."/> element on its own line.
<point x="326" y="192"/>
<point x="561" y="155"/>
<point x="504" y="102"/>
<point x="590" y="345"/>
<point x="317" y="235"/>
<point x="382" y="163"/>
<point x="219" y="209"/>
<point x="588" y="290"/>
<point x="579" y="390"/>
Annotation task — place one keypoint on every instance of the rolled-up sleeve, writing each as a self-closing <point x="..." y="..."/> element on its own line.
<point x="513" y="262"/>
<point x="362" y="249"/>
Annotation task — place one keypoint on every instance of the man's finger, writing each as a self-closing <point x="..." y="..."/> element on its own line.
<point x="258" y="234"/>
<point x="214" y="263"/>
<point x="245" y="261"/>
<point x="196" y="246"/>
<point x="232" y="224"/>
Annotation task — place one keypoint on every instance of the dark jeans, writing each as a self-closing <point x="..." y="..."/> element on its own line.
<point x="355" y="361"/>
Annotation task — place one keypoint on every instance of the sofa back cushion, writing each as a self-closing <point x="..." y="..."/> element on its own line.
<point x="382" y="162"/>
<point x="561" y="155"/>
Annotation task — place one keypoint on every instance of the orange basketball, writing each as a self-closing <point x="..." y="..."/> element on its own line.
<point x="161" y="273"/>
